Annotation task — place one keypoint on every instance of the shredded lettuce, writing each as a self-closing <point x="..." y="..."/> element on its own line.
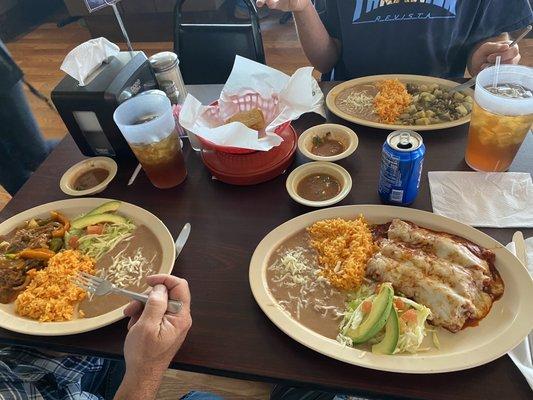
<point x="412" y="335"/>
<point x="96" y="246"/>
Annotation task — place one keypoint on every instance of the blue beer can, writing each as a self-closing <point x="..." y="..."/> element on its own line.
<point x="401" y="167"/>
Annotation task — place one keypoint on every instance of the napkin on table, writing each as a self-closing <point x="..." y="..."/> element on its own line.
<point x="523" y="353"/>
<point x="494" y="199"/>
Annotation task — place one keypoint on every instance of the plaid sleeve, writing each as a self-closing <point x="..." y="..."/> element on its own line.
<point x="28" y="374"/>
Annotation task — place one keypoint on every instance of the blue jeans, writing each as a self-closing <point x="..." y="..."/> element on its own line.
<point x="279" y="393"/>
<point x="22" y="148"/>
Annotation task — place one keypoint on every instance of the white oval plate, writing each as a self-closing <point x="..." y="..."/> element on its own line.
<point x="71" y="208"/>
<point x="508" y="322"/>
<point x="333" y="93"/>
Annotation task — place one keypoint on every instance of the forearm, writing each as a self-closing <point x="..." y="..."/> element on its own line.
<point x="504" y="36"/>
<point x="319" y="47"/>
<point x="140" y="386"/>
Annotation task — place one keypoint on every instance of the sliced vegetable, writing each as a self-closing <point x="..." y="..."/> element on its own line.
<point x="36" y="254"/>
<point x="377" y="317"/>
<point x="73" y="242"/>
<point x="65" y="224"/>
<point x="409" y="316"/>
<point x="110" y="206"/>
<point x="398" y="303"/>
<point x="367" y="306"/>
<point x="56" y="244"/>
<point x="87" y="220"/>
<point x="95" y="229"/>
<point x="392" y="334"/>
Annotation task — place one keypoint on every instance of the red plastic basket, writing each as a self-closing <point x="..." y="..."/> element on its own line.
<point x="246" y="102"/>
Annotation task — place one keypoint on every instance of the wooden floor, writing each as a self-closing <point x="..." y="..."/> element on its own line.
<point x="40" y="54"/>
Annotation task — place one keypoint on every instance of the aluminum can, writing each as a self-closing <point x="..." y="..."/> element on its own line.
<point x="402" y="158"/>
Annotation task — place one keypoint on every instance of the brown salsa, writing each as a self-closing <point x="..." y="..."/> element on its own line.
<point x="90" y="178"/>
<point x="325" y="146"/>
<point x="318" y="187"/>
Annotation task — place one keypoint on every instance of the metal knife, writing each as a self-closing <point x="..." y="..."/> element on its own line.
<point x="520" y="250"/>
<point x="469" y="83"/>
<point x="182" y="238"/>
<point x="520" y="247"/>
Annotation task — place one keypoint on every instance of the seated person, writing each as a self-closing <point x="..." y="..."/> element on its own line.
<point x="153" y="339"/>
<point x="432" y="37"/>
<point x="154" y="336"/>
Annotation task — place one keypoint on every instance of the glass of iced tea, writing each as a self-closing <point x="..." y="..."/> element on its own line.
<point x="501" y="118"/>
<point x="148" y="126"/>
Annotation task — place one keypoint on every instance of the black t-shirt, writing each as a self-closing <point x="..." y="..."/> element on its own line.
<point x="431" y="37"/>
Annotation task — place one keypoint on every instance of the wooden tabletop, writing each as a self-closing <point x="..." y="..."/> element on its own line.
<point x="230" y="335"/>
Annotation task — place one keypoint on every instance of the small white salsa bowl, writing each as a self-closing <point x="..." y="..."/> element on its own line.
<point x="336" y="171"/>
<point x="73" y="173"/>
<point x="338" y="132"/>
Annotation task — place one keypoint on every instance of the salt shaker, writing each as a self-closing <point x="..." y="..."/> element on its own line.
<point x="166" y="68"/>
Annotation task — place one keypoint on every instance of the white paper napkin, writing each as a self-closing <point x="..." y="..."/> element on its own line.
<point x="85" y="59"/>
<point x="297" y="94"/>
<point x="495" y="199"/>
<point x="521" y="354"/>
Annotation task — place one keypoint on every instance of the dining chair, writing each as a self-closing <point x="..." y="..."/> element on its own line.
<point x="207" y="50"/>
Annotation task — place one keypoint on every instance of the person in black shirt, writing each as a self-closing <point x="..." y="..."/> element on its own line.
<point x="428" y="37"/>
<point x="22" y="147"/>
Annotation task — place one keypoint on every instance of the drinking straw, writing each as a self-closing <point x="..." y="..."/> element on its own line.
<point x="496" y="72"/>
<point x="134" y="175"/>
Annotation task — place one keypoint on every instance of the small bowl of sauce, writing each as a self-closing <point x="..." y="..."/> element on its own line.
<point x="319" y="184"/>
<point x="328" y="142"/>
<point x="88" y="177"/>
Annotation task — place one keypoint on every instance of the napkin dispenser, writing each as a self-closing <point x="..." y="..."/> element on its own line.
<point x="87" y="111"/>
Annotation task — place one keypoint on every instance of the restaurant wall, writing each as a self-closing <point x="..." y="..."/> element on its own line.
<point x="145" y="20"/>
<point x="19" y="16"/>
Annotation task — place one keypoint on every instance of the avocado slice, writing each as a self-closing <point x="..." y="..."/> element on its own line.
<point x="110" y="206"/>
<point x="392" y="334"/>
<point x="87" y="220"/>
<point x="377" y="318"/>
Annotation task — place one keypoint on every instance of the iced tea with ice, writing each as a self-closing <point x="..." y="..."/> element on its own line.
<point x="501" y="118"/>
<point x="162" y="161"/>
<point x="148" y="125"/>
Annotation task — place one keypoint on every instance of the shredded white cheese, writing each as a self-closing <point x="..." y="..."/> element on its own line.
<point x="296" y="271"/>
<point x="357" y="102"/>
<point x="128" y="271"/>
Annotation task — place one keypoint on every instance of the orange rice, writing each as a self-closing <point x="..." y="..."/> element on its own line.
<point x="391" y="101"/>
<point x="343" y="247"/>
<point x="51" y="295"/>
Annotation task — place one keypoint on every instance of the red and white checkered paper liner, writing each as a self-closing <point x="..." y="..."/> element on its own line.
<point x="217" y="115"/>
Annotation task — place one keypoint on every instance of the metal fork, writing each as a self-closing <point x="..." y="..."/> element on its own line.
<point x="472" y="81"/>
<point x="100" y="287"/>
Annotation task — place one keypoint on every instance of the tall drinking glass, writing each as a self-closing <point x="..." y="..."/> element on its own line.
<point x="501" y="118"/>
<point x="148" y="126"/>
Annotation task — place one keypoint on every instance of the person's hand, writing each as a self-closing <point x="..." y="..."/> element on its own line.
<point x="285" y="5"/>
<point x="154" y="336"/>
<point x="485" y="55"/>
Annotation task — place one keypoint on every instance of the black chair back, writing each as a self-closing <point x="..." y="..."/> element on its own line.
<point x="207" y="50"/>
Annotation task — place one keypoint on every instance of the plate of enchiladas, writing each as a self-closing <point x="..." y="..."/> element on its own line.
<point x="393" y="289"/>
